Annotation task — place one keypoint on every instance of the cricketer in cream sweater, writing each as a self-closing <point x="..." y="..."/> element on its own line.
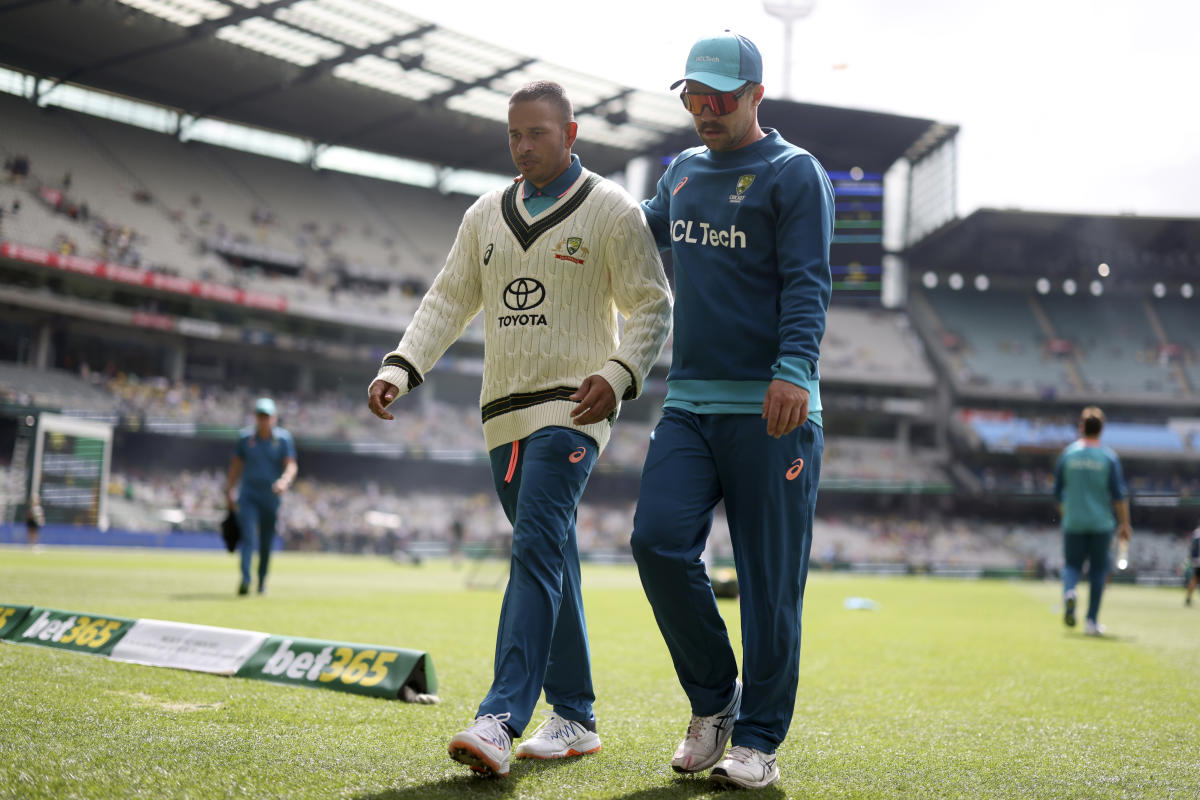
<point x="551" y="260"/>
<point x="550" y="288"/>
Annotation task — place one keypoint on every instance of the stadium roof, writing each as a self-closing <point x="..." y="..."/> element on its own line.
<point x="841" y="138"/>
<point x="1063" y="245"/>
<point x="356" y="73"/>
<point x="366" y="75"/>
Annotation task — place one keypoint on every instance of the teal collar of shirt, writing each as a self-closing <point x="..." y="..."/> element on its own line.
<point x="557" y="187"/>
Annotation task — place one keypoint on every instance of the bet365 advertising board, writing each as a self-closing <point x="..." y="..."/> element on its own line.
<point x="378" y="671"/>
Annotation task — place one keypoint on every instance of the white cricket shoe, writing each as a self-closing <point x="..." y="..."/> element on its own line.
<point x="559" y="737"/>
<point x="1092" y="628"/>
<point x="485" y="746"/>
<point x="707" y="737"/>
<point x="747" y="768"/>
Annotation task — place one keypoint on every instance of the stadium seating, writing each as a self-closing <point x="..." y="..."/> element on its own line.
<point x="1115" y="345"/>
<point x="873" y="346"/>
<point x="1002" y="343"/>
<point x="182" y="200"/>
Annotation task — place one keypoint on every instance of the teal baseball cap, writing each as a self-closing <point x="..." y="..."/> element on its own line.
<point x="723" y="62"/>
<point x="264" y="405"/>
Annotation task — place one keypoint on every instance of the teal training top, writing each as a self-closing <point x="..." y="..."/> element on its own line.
<point x="1087" y="481"/>
<point x="750" y="231"/>
<point x="263" y="459"/>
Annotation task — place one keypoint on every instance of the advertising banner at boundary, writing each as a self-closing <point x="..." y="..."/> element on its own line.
<point x="10" y="618"/>
<point x="342" y="666"/>
<point x="390" y="673"/>
<point x="182" y="645"/>
<point x="70" y="630"/>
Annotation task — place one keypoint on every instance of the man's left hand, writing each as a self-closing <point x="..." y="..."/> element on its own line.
<point x="596" y="401"/>
<point x="785" y="408"/>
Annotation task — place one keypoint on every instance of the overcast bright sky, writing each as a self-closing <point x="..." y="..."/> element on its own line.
<point x="1064" y="105"/>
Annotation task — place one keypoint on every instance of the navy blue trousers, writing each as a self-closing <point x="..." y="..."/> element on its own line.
<point x="770" y="491"/>
<point x="256" y="512"/>
<point x="1092" y="548"/>
<point x="542" y="637"/>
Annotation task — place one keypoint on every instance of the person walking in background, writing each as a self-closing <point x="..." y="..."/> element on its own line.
<point x="263" y="467"/>
<point x="35" y="518"/>
<point x="1092" y="501"/>
<point x="748" y="217"/>
<point x="1193" y="566"/>
<point x="551" y="260"/>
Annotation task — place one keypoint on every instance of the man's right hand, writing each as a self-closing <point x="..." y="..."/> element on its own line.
<point x="379" y="396"/>
<point x="230" y="502"/>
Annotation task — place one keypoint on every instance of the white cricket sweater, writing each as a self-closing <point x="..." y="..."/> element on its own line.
<point x="550" y="288"/>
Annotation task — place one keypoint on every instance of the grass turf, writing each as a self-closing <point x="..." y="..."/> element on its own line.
<point x="951" y="689"/>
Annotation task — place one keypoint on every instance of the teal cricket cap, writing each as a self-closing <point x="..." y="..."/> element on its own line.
<point x="723" y="62"/>
<point x="264" y="405"/>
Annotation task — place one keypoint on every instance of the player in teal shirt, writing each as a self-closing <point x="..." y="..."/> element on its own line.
<point x="1093" y="501"/>
<point x="748" y="217"/>
<point x="263" y="466"/>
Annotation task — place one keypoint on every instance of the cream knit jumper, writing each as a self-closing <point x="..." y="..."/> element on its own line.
<point x="550" y="288"/>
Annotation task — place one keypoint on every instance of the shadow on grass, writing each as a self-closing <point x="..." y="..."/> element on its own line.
<point x="458" y="786"/>
<point x="479" y="786"/>
<point x="1107" y="637"/>
<point x="230" y="595"/>
<point x="694" y="787"/>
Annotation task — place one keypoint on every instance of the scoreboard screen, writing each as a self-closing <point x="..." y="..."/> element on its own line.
<point x="70" y="472"/>
<point x="856" y="254"/>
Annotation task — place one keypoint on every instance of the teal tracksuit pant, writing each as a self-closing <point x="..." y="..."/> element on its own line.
<point x="542" y="637"/>
<point x="257" y="510"/>
<point x="770" y="490"/>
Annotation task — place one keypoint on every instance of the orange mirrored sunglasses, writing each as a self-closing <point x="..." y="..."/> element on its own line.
<point x="720" y="104"/>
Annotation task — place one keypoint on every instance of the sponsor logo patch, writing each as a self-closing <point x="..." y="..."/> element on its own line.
<point x="571" y="249"/>
<point x="739" y="191"/>
<point x="686" y="230"/>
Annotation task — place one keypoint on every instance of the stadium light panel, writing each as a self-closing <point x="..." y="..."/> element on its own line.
<point x="377" y="165"/>
<point x="482" y="103"/>
<point x="388" y="76"/>
<point x="1103" y="270"/>
<point x="251" y="140"/>
<point x="1096" y="288"/>
<point x="107" y="106"/>
<point x="1160" y="290"/>
<point x="472" y="182"/>
<point x="1069" y="286"/>
<point x="930" y="280"/>
<point x="981" y="283"/>
<point x="280" y="41"/>
<point x="956" y="281"/>
<point x="181" y="12"/>
<point x="1043" y="286"/>
<point x="1186" y="291"/>
<point x="17" y="83"/>
<point x="331" y="24"/>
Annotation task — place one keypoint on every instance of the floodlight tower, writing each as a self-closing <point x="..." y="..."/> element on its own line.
<point x="788" y="11"/>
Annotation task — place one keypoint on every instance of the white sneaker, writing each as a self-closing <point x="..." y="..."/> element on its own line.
<point x="485" y="746"/>
<point x="558" y="737"/>
<point x="747" y="768"/>
<point x="1091" y="628"/>
<point x="706" y="737"/>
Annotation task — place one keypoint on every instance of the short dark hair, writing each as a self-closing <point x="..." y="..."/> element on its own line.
<point x="545" y="90"/>
<point x="1091" y="421"/>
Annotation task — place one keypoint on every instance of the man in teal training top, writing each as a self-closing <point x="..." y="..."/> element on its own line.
<point x="1092" y="502"/>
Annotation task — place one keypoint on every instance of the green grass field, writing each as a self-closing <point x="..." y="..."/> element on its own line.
<point x="951" y="689"/>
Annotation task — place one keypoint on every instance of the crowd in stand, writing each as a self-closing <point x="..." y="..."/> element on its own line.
<point x="376" y="519"/>
<point x="1040" y="481"/>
